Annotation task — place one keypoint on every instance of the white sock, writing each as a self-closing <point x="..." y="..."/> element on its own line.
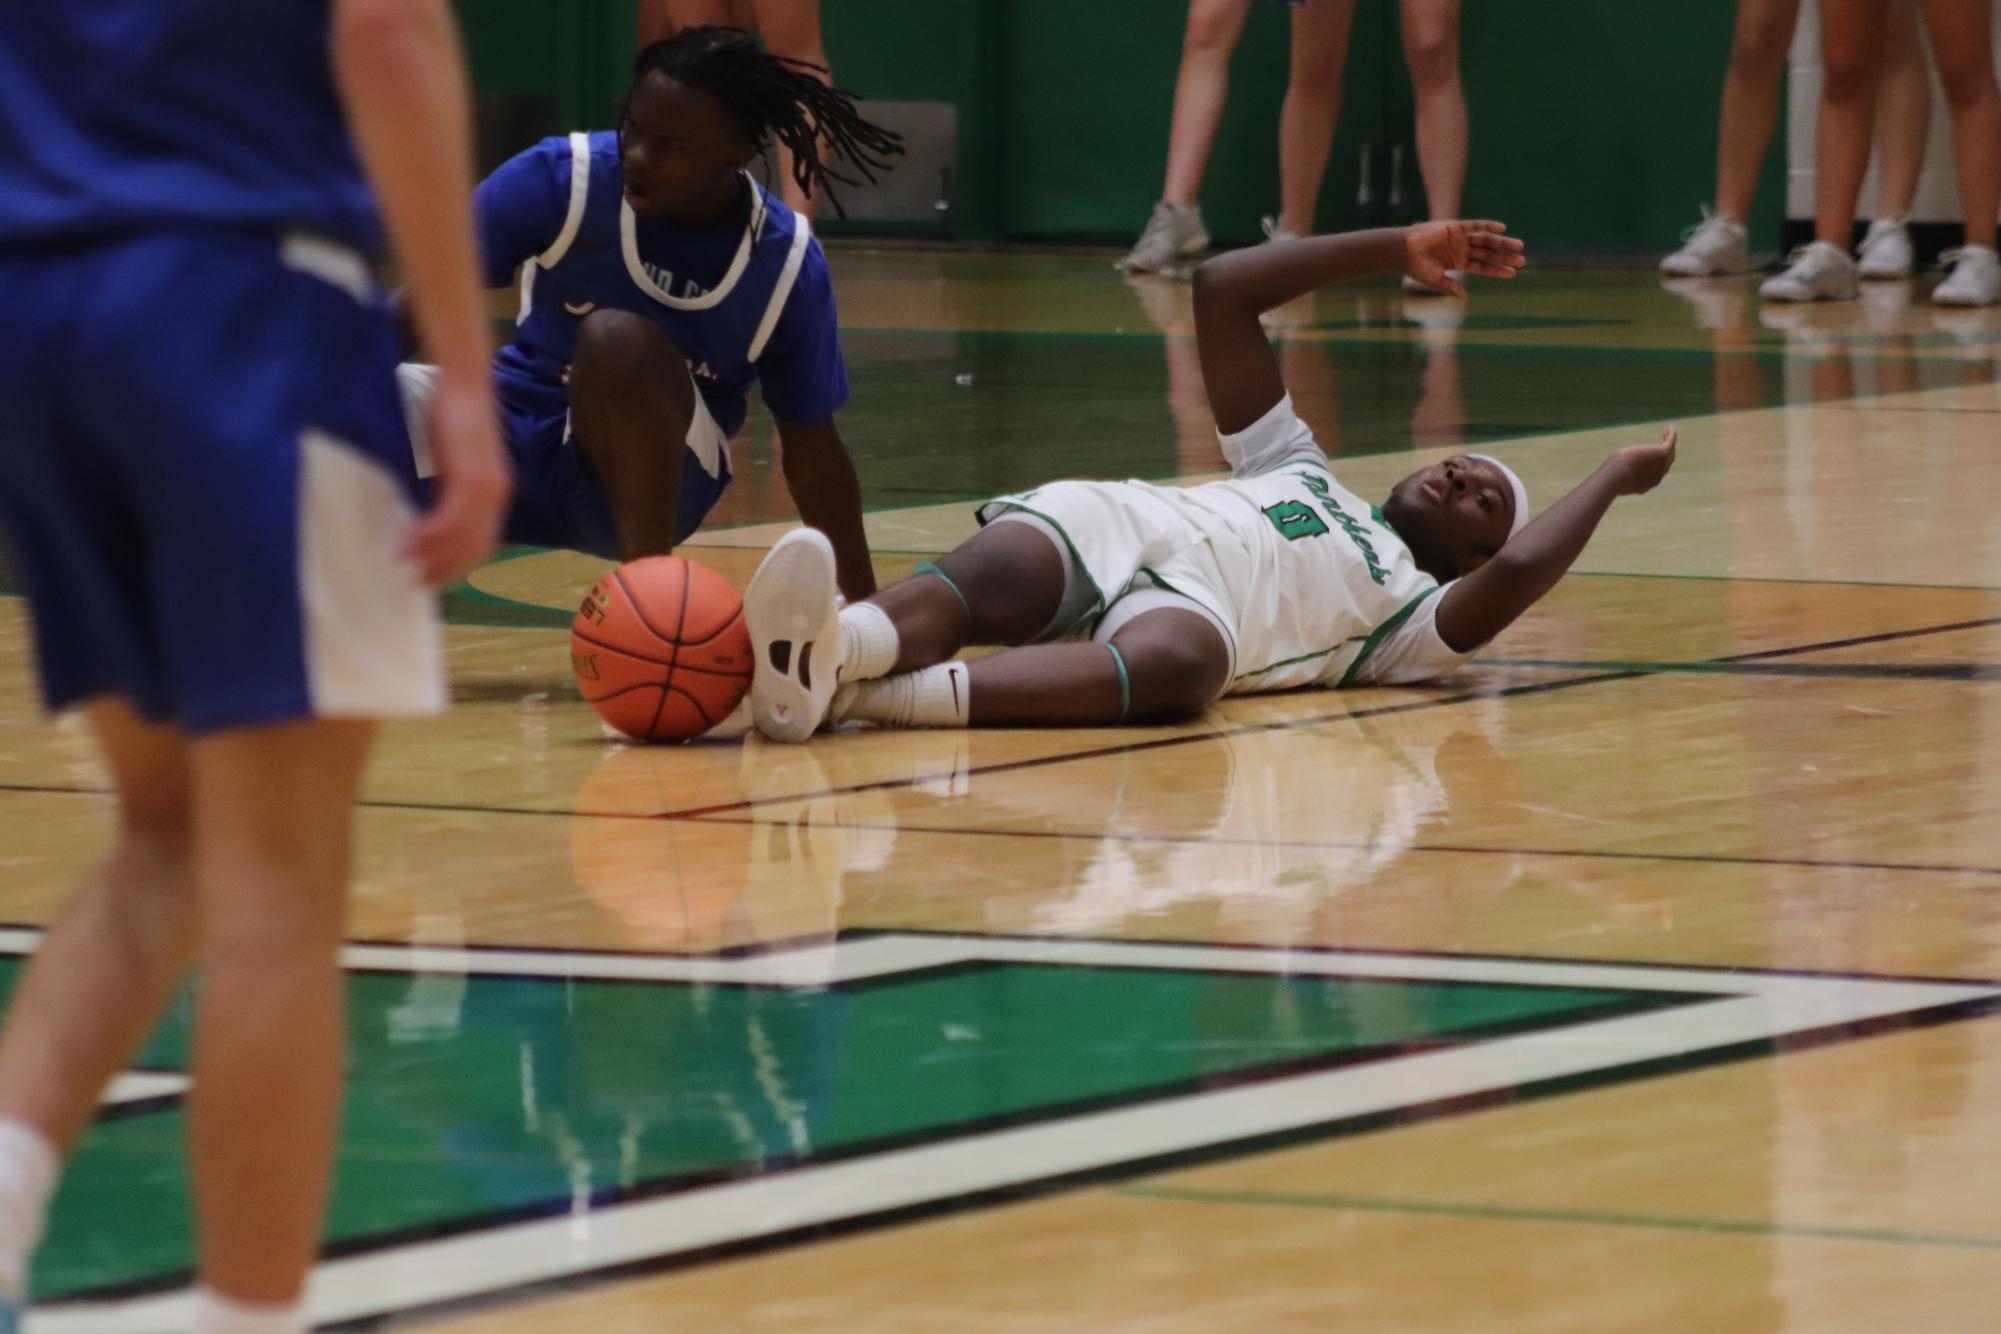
<point x="29" y="1166"/>
<point x="938" y="696"/>
<point x="869" y="642"/>
<point x="217" y="1314"/>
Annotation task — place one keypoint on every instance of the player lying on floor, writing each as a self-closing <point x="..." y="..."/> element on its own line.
<point x="1141" y="603"/>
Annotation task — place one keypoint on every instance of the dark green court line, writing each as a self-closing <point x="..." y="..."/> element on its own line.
<point x="1841" y="671"/>
<point x="1771" y="352"/>
<point x="1756" y="579"/>
<point x="1586" y="1217"/>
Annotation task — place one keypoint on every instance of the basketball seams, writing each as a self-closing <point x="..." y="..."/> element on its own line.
<point x="625" y="652"/>
<point x="721" y="630"/>
<point x="620" y="642"/>
<point x="639" y="611"/>
<point x="622" y="691"/>
<point x="692" y="699"/>
<point x="690" y="572"/>
<point x="681" y="621"/>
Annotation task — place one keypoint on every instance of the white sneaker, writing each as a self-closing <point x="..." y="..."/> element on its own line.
<point x="792" y="606"/>
<point x="1815" y="272"/>
<point x="1886" y="251"/>
<point x="1716" y="245"/>
<point x="1975" y="279"/>
<point x="1173" y="232"/>
<point x="1274" y="232"/>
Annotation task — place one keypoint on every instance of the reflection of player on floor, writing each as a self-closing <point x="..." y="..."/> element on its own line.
<point x="659" y="283"/>
<point x="1169" y="598"/>
<point x="217" y="545"/>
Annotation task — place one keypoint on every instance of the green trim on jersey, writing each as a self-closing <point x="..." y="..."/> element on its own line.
<point x="1382" y="632"/>
<point x="1098" y="603"/>
<point x="1287" y="662"/>
<point x="1217" y="618"/>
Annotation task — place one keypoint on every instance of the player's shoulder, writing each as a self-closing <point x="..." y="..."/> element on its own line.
<point x="559" y="151"/>
<point x="544" y="167"/>
<point x="777" y="225"/>
<point x="786" y="240"/>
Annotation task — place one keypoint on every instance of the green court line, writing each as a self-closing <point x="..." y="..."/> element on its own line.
<point x="1756" y="579"/>
<point x="1586" y="1217"/>
<point x="1773" y="353"/>
<point x="1840" y="671"/>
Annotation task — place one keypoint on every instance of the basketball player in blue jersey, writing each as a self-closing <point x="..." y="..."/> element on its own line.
<point x="204" y="490"/>
<point x="659" y="282"/>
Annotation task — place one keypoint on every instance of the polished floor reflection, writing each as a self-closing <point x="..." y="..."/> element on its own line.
<point x="1643" y="977"/>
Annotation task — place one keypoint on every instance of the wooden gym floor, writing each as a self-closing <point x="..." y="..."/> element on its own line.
<point x="1644" y="977"/>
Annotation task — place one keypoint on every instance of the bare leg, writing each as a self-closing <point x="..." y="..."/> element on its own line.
<point x="1963" y="40"/>
<point x="273" y="810"/>
<point x="1431" y="49"/>
<point x="1175" y="663"/>
<point x="1312" y="107"/>
<point x="1011" y="578"/>
<point x="1751" y="99"/>
<point x="1852" y="40"/>
<point x="792" y="28"/>
<point x="1903" y="111"/>
<point x="114" y="956"/>
<point x="631" y="400"/>
<point x="1199" y="93"/>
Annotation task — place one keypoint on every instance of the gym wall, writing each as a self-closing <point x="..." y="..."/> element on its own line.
<point x="1594" y="122"/>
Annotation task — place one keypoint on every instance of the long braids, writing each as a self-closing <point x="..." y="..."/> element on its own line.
<point x="776" y="97"/>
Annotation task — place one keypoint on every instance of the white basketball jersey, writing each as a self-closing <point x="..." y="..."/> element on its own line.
<point x="1314" y="574"/>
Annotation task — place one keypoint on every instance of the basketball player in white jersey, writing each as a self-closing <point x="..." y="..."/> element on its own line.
<point x="1139" y="603"/>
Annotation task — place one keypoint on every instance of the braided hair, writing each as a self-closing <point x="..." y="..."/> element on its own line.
<point x="776" y="97"/>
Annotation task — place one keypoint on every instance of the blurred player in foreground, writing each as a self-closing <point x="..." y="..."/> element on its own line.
<point x="204" y="491"/>
<point x="1164" y="599"/>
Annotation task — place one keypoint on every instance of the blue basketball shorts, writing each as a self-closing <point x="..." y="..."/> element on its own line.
<point x="558" y="499"/>
<point x="204" y="480"/>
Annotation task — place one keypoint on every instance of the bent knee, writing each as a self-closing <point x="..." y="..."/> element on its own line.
<point x="1848" y="80"/>
<point x="619" y="339"/>
<point x="1173" y="671"/>
<point x="1760" y="47"/>
<point x="1432" y="56"/>
<point x="1967" y="82"/>
<point x="1212" y="26"/>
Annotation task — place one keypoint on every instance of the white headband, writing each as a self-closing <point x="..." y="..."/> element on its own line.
<point x="1521" y="492"/>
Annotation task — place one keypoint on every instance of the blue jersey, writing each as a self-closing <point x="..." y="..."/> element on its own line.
<point x="119" y="116"/>
<point x="747" y="303"/>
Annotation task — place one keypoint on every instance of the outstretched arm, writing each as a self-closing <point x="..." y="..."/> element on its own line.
<point x="1232" y="290"/>
<point x="1482" y="604"/>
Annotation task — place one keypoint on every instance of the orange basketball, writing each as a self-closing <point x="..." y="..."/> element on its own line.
<point x="661" y="650"/>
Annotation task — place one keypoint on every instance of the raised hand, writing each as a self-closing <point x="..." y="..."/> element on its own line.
<point x="1485" y="248"/>
<point x="1641" y="467"/>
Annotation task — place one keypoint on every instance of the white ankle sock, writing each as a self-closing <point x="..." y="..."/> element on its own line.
<point x="938" y="696"/>
<point x="29" y="1166"/>
<point x="217" y="1314"/>
<point x="869" y="642"/>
